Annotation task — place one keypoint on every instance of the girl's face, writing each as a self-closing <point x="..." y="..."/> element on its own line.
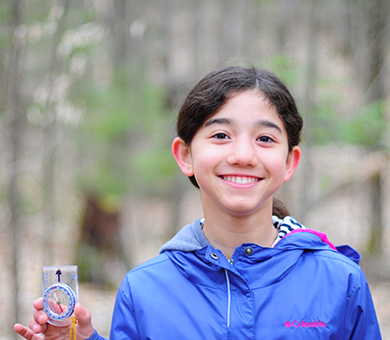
<point x="239" y="157"/>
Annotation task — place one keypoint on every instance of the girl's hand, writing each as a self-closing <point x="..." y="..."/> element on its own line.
<point x="38" y="324"/>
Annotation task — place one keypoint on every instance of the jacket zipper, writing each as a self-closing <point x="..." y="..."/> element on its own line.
<point x="229" y="297"/>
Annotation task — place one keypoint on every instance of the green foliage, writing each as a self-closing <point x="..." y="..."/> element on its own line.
<point x="324" y="125"/>
<point x="104" y="179"/>
<point x="368" y="126"/>
<point x="283" y="67"/>
<point x="108" y="116"/>
<point x="92" y="265"/>
<point x="154" y="166"/>
<point x="129" y="104"/>
<point x="124" y="128"/>
<point x="5" y="12"/>
<point x="365" y="128"/>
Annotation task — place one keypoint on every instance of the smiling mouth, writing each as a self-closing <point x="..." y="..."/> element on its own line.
<point x="240" y="179"/>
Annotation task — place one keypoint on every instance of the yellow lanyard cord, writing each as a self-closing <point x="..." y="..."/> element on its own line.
<point x="73" y="328"/>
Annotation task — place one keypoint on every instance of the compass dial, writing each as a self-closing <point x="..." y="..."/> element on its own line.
<point x="59" y="301"/>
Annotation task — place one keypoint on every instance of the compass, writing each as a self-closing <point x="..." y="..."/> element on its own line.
<point x="59" y="301"/>
<point x="60" y="293"/>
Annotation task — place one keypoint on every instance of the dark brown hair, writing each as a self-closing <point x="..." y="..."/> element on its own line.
<point x="213" y="92"/>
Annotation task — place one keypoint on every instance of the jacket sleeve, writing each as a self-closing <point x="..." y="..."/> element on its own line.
<point x="123" y="325"/>
<point x="361" y="319"/>
<point x="96" y="336"/>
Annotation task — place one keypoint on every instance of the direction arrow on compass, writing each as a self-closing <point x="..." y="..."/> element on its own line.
<point x="59" y="273"/>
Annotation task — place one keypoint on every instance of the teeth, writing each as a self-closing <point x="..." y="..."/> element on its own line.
<point x="240" y="180"/>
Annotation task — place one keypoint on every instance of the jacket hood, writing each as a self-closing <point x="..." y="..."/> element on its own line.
<point x="189" y="238"/>
<point x="292" y="236"/>
<point x="193" y="256"/>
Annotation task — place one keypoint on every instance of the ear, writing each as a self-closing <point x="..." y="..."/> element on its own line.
<point x="292" y="162"/>
<point x="182" y="153"/>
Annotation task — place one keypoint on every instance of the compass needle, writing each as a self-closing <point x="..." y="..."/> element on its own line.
<point x="58" y="301"/>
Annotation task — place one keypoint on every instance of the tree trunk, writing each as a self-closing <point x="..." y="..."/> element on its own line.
<point x="377" y="42"/>
<point x="15" y="126"/>
<point x="234" y="28"/>
<point x="375" y="242"/>
<point x="121" y="33"/>
<point x="284" y="20"/>
<point x="309" y="107"/>
<point x="377" y="38"/>
<point x="50" y="145"/>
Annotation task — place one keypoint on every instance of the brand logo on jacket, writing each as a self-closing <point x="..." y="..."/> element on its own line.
<point x="304" y="324"/>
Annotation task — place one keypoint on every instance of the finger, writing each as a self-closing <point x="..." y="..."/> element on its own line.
<point x="38" y="304"/>
<point x="25" y="332"/>
<point x="40" y="317"/>
<point x="37" y="327"/>
<point x="83" y="315"/>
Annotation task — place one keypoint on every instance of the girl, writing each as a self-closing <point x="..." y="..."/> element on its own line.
<point x="246" y="270"/>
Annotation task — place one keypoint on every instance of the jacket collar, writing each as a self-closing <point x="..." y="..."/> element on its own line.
<point x="292" y="235"/>
<point x="191" y="236"/>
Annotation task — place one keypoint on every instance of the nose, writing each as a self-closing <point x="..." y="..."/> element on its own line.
<point x="243" y="153"/>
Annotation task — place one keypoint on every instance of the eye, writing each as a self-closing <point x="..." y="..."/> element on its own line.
<point x="265" y="139"/>
<point x="221" y="135"/>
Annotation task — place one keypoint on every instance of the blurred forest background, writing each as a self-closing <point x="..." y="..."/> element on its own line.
<point x="89" y="90"/>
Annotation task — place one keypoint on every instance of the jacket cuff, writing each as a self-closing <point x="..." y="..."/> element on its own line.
<point x="96" y="336"/>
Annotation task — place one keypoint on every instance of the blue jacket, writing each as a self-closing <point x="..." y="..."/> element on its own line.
<point x="300" y="289"/>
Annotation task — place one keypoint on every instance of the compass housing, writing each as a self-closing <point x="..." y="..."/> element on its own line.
<point x="59" y="301"/>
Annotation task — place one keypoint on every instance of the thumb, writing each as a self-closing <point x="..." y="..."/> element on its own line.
<point x="84" y="322"/>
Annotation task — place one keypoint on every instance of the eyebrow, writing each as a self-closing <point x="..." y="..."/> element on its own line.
<point x="268" y="123"/>
<point x="260" y="122"/>
<point x="218" y="121"/>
